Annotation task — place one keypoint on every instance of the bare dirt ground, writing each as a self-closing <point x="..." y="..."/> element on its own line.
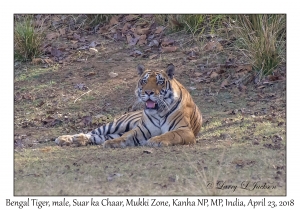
<point x="240" y="150"/>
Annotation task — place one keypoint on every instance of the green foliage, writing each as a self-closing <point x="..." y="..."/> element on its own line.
<point x="195" y="24"/>
<point x="262" y="38"/>
<point x="95" y="19"/>
<point x="27" y="39"/>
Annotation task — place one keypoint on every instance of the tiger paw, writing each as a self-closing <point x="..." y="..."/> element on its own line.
<point x="64" y="140"/>
<point x="158" y="142"/>
<point x="77" y="139"/>
<point x="115" y="143"/>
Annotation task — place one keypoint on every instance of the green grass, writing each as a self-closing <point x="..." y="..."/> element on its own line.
<point x="34" y="73"/>
<point x="27" y="39"/>
<point x="262" y="38"/>
<point x="166" y="171"/>
<point x="95" y="19"/>
<point x="195" y="24"/>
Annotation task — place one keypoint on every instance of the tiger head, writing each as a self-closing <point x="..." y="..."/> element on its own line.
<point x="154" y="89"/>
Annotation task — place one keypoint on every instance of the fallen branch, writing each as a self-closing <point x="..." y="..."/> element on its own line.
<point x="82" y="95"/>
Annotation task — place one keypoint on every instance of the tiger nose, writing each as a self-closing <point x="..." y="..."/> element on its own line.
<point x="149" y="92"/>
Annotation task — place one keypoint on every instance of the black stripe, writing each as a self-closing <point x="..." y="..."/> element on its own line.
<point x="127" y="127"/>
<point x="94" y="142"/>
<point x="193" y="114"/>
<point x="99" y="130"/>
<point x="104" y="128"/>
<point x="143" y="123"/>
<point x="117" y="127"/>
<point x="142" y="132"/>
<point x="173" y="108"/>
<point x="151" y="120"/>
<point x="182" y="127"/>
<point x="109" y="127"/>
<point x="121" y="118"/>
<point x="110" y="136"/>
<point x="137" y="141"/>
<point x="134" y="139"/>
<point x="177" y="123"/>
<point x="132" y="115"/>
<point x="174" y="121"/>
<point x="128" y="124"/>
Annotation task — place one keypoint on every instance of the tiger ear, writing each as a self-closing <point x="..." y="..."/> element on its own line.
<point x="170" y="70"/>
<point x="140" y="69"/>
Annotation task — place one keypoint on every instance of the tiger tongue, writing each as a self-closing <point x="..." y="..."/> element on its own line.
<point x="150" y="104"/>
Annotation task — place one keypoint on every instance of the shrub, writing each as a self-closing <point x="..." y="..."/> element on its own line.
<point x="262" y="39"/>
<point x="95" y="19"/>
<point x="27" y="39"/>
<point x="197" y="24"/>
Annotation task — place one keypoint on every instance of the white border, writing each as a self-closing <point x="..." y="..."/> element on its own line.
<point x="152" y="6"/>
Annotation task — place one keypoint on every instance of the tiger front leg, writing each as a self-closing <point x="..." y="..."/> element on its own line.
<point x="171" y="138"/>
<point x="115" y="143"/>
<point x="134" y="137"/>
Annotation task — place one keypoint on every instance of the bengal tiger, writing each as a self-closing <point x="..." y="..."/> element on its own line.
<point x="170" y="116"/>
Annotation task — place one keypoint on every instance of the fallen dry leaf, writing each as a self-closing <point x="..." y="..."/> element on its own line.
<point x="142" y="31"/>
<point x="198" y="74"/>
<point x="36" y="61"/>
<point x="224" y="83"/>
<point x="214" y="75"/>
<point x="131" y="17"/>
<point x="113" y="21"/>
<point x="142" y="40"/>
<point x="90" y="74"/>
<point x="62" y="31"/>
<point x="52" y="36"/>
<point x="244" y="68"/>
<point x="167" y="42"/>
<point x="131" y="41"/>
<point x="272" y="78"/>
<point x="168" y="49"/>
<point x="126" y="27"/>
<point x="213" y="45"/>
<point x="159" y="29"/>
<point x="103" y="30"/>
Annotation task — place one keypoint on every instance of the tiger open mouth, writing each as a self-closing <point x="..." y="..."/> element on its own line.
<point x="151" y="104"/>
